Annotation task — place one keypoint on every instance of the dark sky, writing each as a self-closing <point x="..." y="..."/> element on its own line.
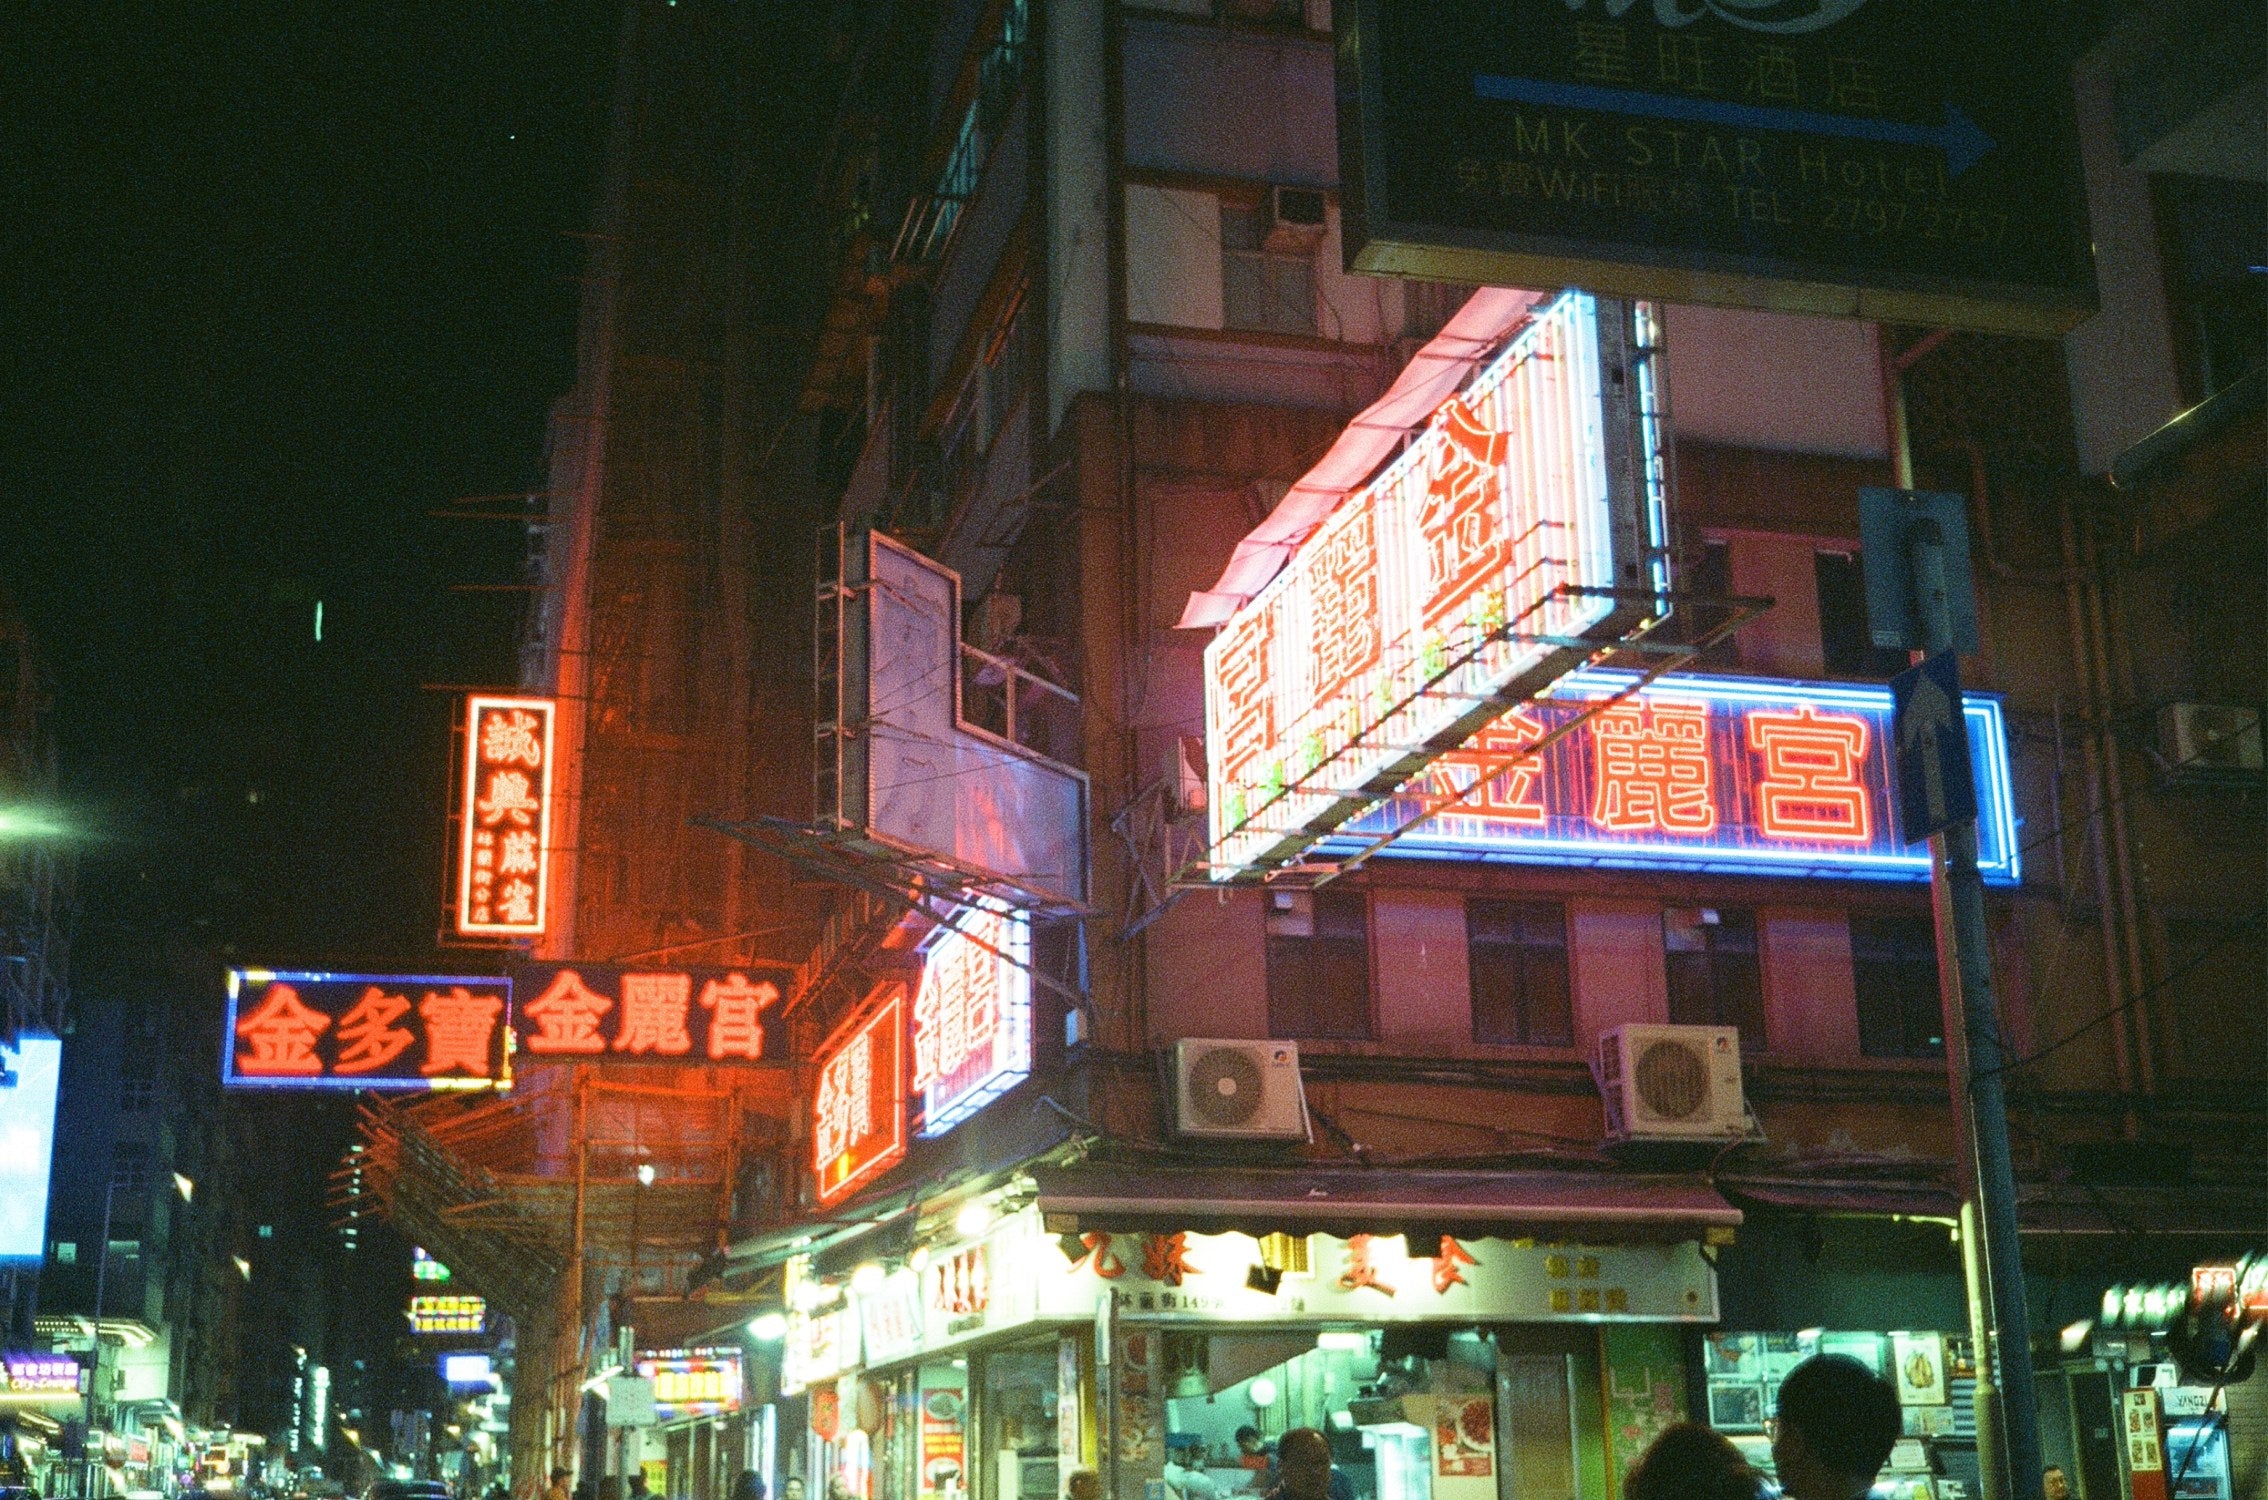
<point x="285" y="279"/>
<point x="280" y="280"/>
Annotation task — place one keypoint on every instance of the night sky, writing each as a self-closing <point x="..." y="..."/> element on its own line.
<point x="281" y="281"/>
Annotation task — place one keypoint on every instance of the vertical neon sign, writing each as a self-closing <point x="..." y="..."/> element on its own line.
<point x="972" y="1015"/>
<point x="858" y="1109"/>
<point x="504" y="850"/>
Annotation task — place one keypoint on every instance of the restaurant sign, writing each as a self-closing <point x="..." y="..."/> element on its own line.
<point x="296" y="1029"/>
<point x="858" y="1109"/>
<point x="1913" y="160"/>
<point x="1701" y="773"/>
<point x="1455" y="582"/>
<point x="583" y="1012"/>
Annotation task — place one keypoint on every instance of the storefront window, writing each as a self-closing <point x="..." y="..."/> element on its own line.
<point x="1018" y="1420"/>
<point x="1931" y="1372"/>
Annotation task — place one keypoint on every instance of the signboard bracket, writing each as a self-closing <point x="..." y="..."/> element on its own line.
<point x="1659" y="657"/>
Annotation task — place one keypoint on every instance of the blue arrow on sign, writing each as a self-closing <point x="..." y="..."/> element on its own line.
<point x="1937" y="784"/>
<point x="1960" y="138"/>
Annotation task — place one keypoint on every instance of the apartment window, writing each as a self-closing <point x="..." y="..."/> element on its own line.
<point x="1517" y="954"/>
<point x="1262" y="290"/>
<point x="129" y="1168"/>
<point x="1844" y="644"/>
<point x="1709" y="953"/>
<point x="136" y="1095"/>
<point x="1894" y="964"/>
<point x="1319" y="964"/>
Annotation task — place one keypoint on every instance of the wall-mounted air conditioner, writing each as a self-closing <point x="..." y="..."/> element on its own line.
<point x="1238" y="1091"/>
<point x="2209" y="741"/>
<point x="1672" y="1083"/>
<point x="1295" y="220"/>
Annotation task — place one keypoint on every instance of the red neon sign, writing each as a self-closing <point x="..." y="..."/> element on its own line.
<point x="1811" y="787"/>
<point x="858" y="1110"/>
<point x="371" y="1031"/>
<point x="504" y="854"/>
<point x="1653" y="769"/>
<point x="688" y="1015"/>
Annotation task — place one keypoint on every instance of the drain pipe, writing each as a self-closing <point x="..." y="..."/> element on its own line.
<point x="2112" y="690"/>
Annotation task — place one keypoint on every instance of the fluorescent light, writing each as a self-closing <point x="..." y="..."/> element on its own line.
<point x="974" y="1218"/>
<point x="868" y="1278"/>
<point x="768" y="1328"/>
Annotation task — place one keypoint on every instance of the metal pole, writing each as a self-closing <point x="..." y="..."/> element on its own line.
<point x="1957" y="893"/>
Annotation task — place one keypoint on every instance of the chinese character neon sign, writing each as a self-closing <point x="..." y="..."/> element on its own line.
<point x="504" y="852"/>
<point x="972" y="1015"/>
<point x="858" y="1110"/>
<point x="692" y="1382"/>
<point x="30" y="1373"/>
<point x="454" y="1312"/>
<point x="365" y="1031"/>
<point x="1466" y="567"/>
<point x="1718" y="774"/>
<point x="689" y="1015"/>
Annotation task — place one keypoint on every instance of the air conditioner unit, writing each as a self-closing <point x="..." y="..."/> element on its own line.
<point x="2209" y="741"/>
<point x="1672" y="1083"/>
<point x="1238" y="1091"/>
<point x="1295" y="220"/>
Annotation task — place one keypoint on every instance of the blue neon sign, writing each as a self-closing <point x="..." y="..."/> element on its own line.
<point x="1711" y="774"/>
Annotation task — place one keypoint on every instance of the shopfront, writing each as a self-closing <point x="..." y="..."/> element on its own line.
<point x="993" y="1367"/>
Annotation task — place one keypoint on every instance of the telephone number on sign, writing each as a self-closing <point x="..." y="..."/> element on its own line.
<point x="1928" y="221"/>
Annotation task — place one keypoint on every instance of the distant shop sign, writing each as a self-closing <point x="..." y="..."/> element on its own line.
<point x="692" y="1382"/>
<point x="504" y="802"/>
<point x="27" y="1145"/>
<point x="577" y="1012"/>
<point x="1913" y="160"/>
<point x="40" y="1376"/>
<point x="446" y="1314"/>
<point x="312" y="1030"/>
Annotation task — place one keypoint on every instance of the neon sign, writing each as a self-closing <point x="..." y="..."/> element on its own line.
<point x="695" y="1015"/>
<point x="692" y="1382"/>
<point x="452" y="1313"/>
<point x="504" y="852"/>
<point x="33" y="1374"/>
<point x="304" y="1029"/>
<point x="972" y="1015"/>
<point x="858" y="1111"/>
<point x="1717" y="774"/>
<point x="1456" y="573"/>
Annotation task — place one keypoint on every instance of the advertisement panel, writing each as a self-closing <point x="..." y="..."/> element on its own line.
<point x="1703" y="773"/>
<point x="1913" y="160"/>
<point x="302" y="1029"/>
<point x="504" y="841"/>
<point x="1458" y="580"/>
<point x="38" y="1376"/>
<point x="702" y="1382"/>
<point x="858" y="1109"/>
<point x="452" y="1312"/>
<point x="972" y="1014"/>
<point x="27" y="1145"/>
<point x="640" y="1014"/>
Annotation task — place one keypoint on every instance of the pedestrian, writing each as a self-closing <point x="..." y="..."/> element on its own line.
<point x="749" y="1486"/>
<point x="637" y="1487"/>
<point x="1836" y="1423"/>
<point x="1083" y="1484"/>
<point x="1687" y="1461"/>
<point x="558" y="1488"/>
<point x="793" y="1489"/>
<point x="1251" y="1453"/>
<point x="1303" y="1466"/>
<point x="2055" y="1484"/>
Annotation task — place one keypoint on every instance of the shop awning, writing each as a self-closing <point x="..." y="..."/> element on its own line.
<point x="1601" y="1206"/>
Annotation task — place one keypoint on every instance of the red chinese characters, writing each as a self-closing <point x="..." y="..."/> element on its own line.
<point x="858" y="1112"/>
<point x="1510" y="794"/>
<point x="1467" y="546"/>
<point x="1448" y="1265"/>
<point x="1343" y="597"/>
<point x="736" y="1015"/>
<point x="957" y="1010"/>
<point x="279" y="1036"/>
<point x="1810" y="787"/>
<point x="1165" y="1257"/>
<point x="1360" y="1270"/>
<point x="506" y="798"/>
<point x="1100" y="1258"/>
<point x="566" y="1017"/>
<point x="460" y="1031"/>
<point x="654" y="1007"/>
<point x="368" y="1035"/>
<point x="1652" y="772"/>
<point x="1246" y="677"/>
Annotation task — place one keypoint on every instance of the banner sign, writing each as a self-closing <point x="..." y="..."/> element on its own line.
<point x="1327" y="681"/>
<point x="453" y="1312"/>
<point x="27" y="1145"/>
<point x="858" y="1110"/>
<point x="677" y="1015"/>
<point x="692" y="1382"/>
<point x="504" y="847"/>
<point x="972" y="1015"/>
<point x="1914" y="160"/>
<point x="310" y="1030"/>
<point x="33" y="1374"/>
<point x="1715" y="774"/>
